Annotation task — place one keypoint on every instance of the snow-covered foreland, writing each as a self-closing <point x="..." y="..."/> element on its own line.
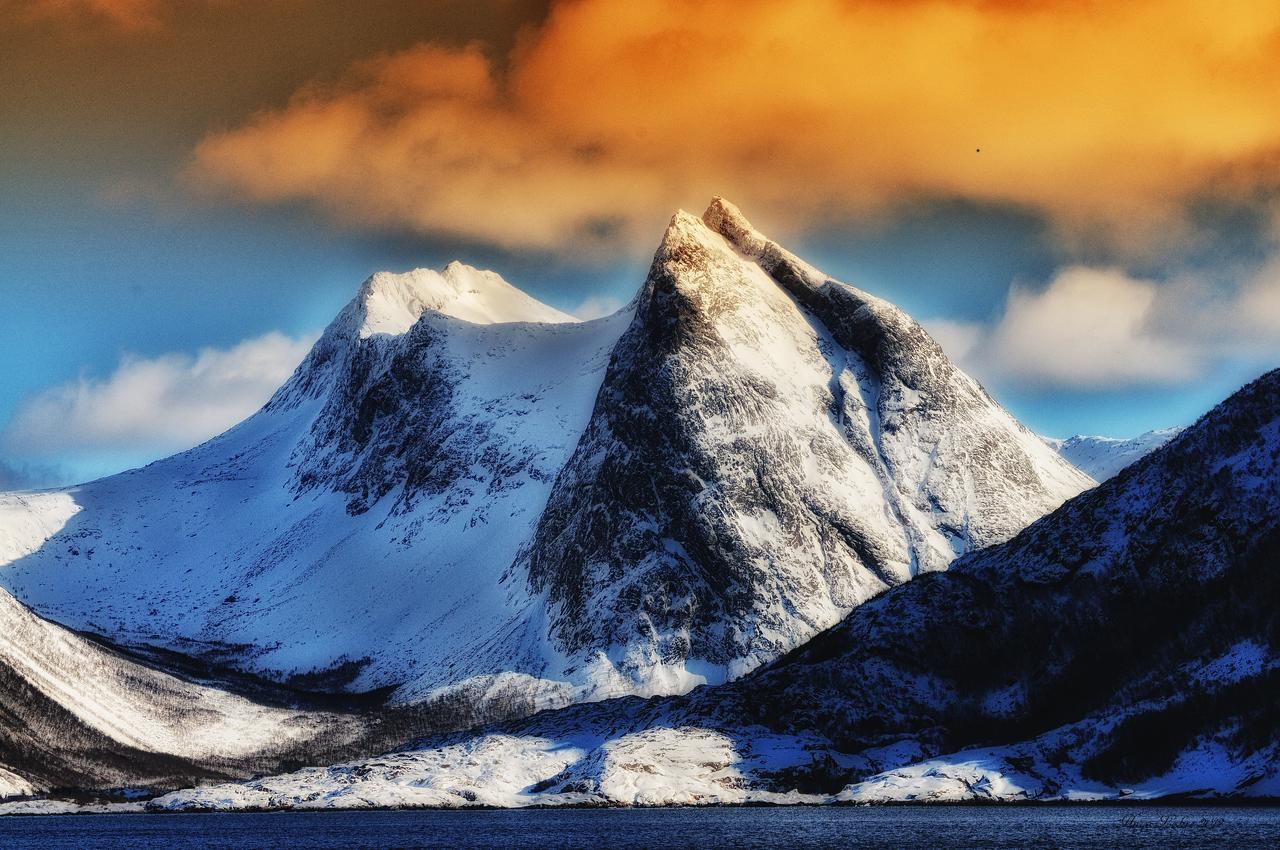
<point x="462" y="488"/>
<point x="1123" y="647"/>
<point x="1103" y="457"/>
<point x="704" y="766"/>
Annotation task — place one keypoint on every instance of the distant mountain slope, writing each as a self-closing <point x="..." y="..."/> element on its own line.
<point x="461" y="488"/>
<point x="80" y="716"/>
<point x="1126" y="645"/>
<point x="1103" y="457"/>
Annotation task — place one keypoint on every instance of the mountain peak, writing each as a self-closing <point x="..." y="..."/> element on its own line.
<point x="392" y="303"/>
<point x="722" y="218"/>
<point x="388" y="305"/>
<point x="727" y="220"/>
<point x="683" y="227"/>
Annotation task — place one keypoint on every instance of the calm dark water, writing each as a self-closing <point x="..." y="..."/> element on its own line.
<point x="1165" y="828"/>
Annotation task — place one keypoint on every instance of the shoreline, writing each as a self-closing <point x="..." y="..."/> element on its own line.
<point x="1169" y="802"/>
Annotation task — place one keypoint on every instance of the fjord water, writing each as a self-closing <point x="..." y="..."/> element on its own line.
<point x="1074" y="827"/>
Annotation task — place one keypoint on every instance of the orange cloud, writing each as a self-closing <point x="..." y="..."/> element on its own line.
<point x="129" y="15"/>
<point x="1105" y="116"/>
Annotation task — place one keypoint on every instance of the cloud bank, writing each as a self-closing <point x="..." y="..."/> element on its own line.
<point x="1102" y="329"/>
<point x="1104" y="116"/>
<point x="154" y="406"/>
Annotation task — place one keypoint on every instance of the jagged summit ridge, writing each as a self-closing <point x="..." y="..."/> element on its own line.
<point x="727" y="220"/>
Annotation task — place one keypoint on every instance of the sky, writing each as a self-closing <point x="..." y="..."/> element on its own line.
<point x="1080" y="200"/>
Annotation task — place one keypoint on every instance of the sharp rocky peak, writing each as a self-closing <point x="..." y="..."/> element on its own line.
<point x="697" y="254"/>
<point x="722" y="219"/>
<point x="727" y="220"/>
<point x="723" y="232"/>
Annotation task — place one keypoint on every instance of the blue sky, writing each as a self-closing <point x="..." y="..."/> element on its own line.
<point x="182" y="206"/>
<point x="88" y="282"/>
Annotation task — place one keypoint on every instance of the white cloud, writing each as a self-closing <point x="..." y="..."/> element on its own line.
<point x="1259" y="303"/>
<point x="1090" y="327"/>
<point x="595" y="306"/>
<point x="1100" y="328"/>
<point x="14" y="476"/>
<point x="958" y="339"/>
<point x="156" y="405"/>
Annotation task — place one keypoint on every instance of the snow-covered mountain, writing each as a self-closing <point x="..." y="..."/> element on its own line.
<point x="769" y="448"/>
<point x="462" y="487"/>
<point x="1125" y="646"/>
<point x="1103" y="457"/>
<point x="358" y="527"/>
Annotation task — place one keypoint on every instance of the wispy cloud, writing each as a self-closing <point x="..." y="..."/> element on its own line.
<point x="152" y="406"/>
<point x="595" y="306"/>
<point x="27" y="476"/>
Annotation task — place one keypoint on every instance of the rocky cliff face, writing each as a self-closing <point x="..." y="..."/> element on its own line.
<point x="462" y="488"/>
<point x="769" y="448"/>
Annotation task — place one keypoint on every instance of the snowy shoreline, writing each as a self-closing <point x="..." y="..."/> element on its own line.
<point x="1169" y="802"/>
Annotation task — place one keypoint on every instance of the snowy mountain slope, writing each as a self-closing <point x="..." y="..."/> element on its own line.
<point x="78" y="714"/>
<point x="27" y="520"/>
<point x="1125" y="646"/>
<point x="950" y="448"/>
<point x="82" y="718"/>
<point x="461" y="488"/>
<point x="1103" y="457"/>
